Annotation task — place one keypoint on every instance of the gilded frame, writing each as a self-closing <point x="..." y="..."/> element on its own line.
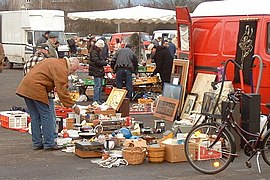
<point x="116" y="98"/>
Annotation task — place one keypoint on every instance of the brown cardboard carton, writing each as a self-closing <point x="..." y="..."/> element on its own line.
<point x="176" y="152"/>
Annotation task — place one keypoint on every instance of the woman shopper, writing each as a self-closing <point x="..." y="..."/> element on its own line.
<point x="96" y="68"/>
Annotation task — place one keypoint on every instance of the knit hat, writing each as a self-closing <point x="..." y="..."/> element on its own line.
<point x="53" y="35"/>
<point x="100" y="43"/>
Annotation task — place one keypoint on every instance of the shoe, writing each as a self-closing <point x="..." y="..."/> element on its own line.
<point x="38" y="147"/>
<point x="53" y="148"/>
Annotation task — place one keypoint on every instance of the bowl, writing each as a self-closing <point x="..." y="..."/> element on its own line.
<point x="87" y="135"/>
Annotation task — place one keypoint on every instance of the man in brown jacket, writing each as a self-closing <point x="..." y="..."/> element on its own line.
<point x="34" y="88"/>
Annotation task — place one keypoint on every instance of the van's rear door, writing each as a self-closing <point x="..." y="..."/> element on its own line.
<point x="184" y="34"/>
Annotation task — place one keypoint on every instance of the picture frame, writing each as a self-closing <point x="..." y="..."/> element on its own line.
<point x="180" y="70"/>
<point x="175" y="79"/>
<point x="189" y="105"/>
<point x="172" y="91"/>
<point x="166" y="108"/>
<point x="116" y="98"/>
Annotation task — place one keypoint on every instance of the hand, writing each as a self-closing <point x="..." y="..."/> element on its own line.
<point x="77" y="110"/>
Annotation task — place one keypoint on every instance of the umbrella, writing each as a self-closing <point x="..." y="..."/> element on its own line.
<point x="137" y="14"/>
<point x="128" y="15"/>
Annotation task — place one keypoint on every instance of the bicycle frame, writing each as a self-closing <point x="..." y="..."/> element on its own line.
<point x="229" y="121"/>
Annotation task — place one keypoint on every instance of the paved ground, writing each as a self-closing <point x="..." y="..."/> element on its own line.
<point x="19" y="161"/>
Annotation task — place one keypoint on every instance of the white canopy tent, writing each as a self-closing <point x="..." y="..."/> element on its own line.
<point x="138" y="14"/>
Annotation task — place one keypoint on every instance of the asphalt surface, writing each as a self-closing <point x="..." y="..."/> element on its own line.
<point x="19" y="161"/>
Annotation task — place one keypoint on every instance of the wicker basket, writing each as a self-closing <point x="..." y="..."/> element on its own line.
<point x="156" y="154"/>
<point x="134" y="155"/>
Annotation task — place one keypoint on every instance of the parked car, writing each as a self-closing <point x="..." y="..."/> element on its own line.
<point x="164" y="34"/>
<point x="125" y="38"/>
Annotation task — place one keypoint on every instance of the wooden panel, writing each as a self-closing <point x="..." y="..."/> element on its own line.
<point x="201" y="85"/>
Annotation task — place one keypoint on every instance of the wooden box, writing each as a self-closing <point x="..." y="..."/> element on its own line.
<point x="87" y="154"/>
<point x="105" y="112"/>
<point x="88" y="149"/>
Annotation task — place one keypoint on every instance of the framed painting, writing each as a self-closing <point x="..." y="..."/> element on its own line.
<point x="116" y="98"/>
<point x="172" y="91"/>
<point x="189" y="105"/>
<point x="166" y="108"/>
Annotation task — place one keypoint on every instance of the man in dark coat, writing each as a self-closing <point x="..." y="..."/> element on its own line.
<point x="96" y="68"/>
<point x="124" y="63"/>
<point x="164" y="62"/>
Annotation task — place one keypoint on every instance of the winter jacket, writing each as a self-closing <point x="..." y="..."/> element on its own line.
<point x="125" y="59"/>
<point x="96" y="62"/>
<point x="42" y="79"/>
<point x="164" y="62"/>
<point x="52" y="53"/>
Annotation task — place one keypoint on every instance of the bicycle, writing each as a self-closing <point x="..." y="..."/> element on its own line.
<point x="210" y="147"/>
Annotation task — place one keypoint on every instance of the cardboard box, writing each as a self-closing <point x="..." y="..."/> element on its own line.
<point x="205" y="154"/>
<point x="176" y="153"/>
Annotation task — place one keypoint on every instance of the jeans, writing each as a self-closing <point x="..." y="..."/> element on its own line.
<point x="121" y="75"/>
<point x="52" y="109"/>
<point x="97" y="89"/>
<point x="41" y="123"/>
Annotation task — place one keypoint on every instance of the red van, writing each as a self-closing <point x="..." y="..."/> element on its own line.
<point x="125" y="39"/>
<point x="212" y="35"/>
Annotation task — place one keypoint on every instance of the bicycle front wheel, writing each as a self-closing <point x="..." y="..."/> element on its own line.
<point x="266" y="148"/>
<point x="203" y="155"/>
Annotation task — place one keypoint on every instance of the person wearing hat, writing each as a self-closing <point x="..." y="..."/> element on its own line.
<point x="164" y="62"/>
<point x="96" y="68"/>
<point x="52" y="45"/>
<point x="43" y="38"/>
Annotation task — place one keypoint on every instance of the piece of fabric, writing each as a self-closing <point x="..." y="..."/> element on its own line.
<point x="245" y="49"/>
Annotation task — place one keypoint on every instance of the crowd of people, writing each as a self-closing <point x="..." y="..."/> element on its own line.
<point x="45" y="72"/>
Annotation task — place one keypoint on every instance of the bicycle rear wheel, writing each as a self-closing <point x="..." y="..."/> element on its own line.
<point x="266" y="148"/>
<point x="209" y="160"/>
